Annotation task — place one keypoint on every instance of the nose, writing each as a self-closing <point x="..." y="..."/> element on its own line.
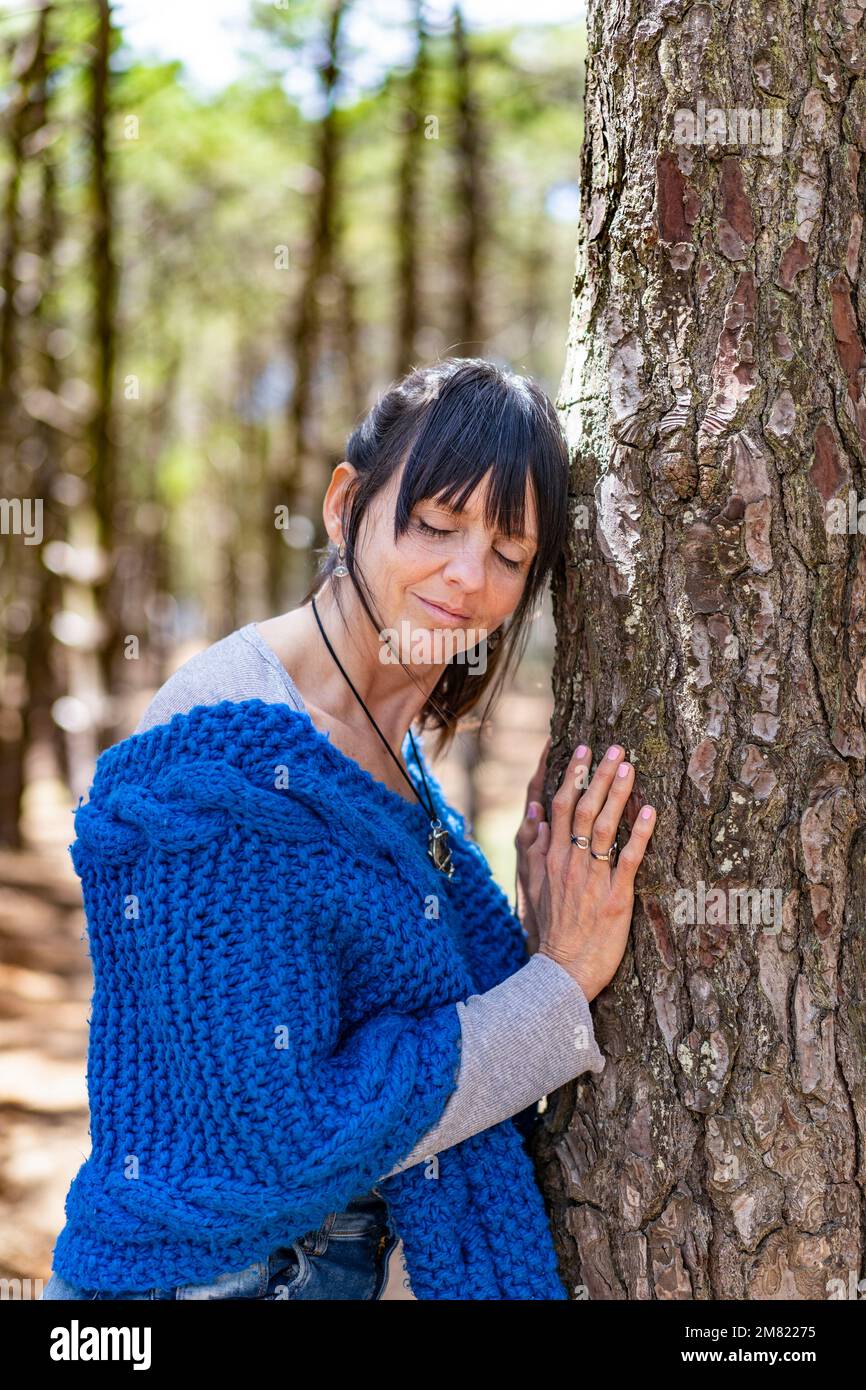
<point x="465" y="570"/>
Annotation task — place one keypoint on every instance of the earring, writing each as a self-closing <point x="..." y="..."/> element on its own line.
<point x="340" y="572"/>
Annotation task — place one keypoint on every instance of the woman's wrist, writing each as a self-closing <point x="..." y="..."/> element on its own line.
<point x="573" y="970"/>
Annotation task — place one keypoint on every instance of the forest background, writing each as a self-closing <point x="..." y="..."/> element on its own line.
<point x="226" y="228"/>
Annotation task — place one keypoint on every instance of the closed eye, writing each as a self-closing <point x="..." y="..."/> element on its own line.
<point x="437" y="531"/>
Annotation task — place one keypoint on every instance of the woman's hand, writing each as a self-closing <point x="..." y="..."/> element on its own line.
<point x="582" y="908"/>
<point x="525" y="837"/>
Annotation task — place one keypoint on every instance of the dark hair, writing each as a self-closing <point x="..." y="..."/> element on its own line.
<point x="453" y="422"/>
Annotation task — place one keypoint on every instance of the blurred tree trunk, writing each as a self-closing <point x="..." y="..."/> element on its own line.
<point x="22" y="572"/>
<point x="43" y="656"/>
<point x="471" y="210"/>
<point x="711" y="619"/>
<point x="255" y="451"/>
<point x="303" y="478"/>
<point x="157" y="582"/>
<point x="471" y="220"/>
<point x="349" y="344"/>
<point x="535" y="264"/>
<point x="104" y="479"/>
<point x="408" y="200"/>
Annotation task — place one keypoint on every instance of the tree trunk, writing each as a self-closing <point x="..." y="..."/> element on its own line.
<point x="23" y="579"/>
<point x="469" y="330"/>
<point x="44" y="659"/>
<point x="303" y="475"/>
<point x="409" y="194"/>
<point x="710" y="617"/>
<point x="103" y="440"/>
<point x="471" y="199"/>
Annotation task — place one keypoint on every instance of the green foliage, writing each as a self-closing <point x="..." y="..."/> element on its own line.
<point x="213" y="200"/>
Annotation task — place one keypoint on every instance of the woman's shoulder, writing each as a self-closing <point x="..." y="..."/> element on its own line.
<point x="191" y="780"/>
<point x="237" y="667"/>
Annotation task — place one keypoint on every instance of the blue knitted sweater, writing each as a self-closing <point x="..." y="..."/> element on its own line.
<point x="276" y="963"/>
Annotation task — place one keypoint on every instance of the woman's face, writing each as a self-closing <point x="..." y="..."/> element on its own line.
<point x="446" y="559"/>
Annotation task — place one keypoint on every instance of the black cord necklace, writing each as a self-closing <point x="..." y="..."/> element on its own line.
<point x="438" y="847"/>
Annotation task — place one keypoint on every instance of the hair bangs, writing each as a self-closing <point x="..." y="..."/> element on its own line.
<point x="463" y="442"/>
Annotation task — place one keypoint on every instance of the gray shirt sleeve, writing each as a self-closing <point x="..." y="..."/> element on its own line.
<point x="520" y="1040"/>
<point x="525" y="1037"/>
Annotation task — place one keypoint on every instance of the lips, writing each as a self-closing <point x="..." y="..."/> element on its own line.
<point x="438" y="610"/>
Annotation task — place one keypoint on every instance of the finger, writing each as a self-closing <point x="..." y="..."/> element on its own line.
<point x="607" y="822"/>
<point x="562" y="808"/>
<point x="632" y="855"/>
<point x="535" y="789"/>
<point x="590" y="804"/>
<point x="528" y="829"/>
<point x="535" y="859"/>
<point x="604" y="831"/>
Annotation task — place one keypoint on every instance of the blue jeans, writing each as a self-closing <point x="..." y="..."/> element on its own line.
<point x="346" y="1258"/>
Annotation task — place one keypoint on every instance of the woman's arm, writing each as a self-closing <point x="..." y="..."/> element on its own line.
<point x="520" y="1040"/>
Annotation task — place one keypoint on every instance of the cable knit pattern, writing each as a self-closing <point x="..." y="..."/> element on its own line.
<point x="276" y="963"/>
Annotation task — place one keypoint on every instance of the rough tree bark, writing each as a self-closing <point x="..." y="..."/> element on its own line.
<point x="710" y="618"/>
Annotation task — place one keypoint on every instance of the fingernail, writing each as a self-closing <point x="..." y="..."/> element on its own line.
<point x="614" y="752"/>
<point x="533" y="810"/>
<point x="646" y="812"/>
<point x="582" y="751"/>
<point x="622" y="770"/>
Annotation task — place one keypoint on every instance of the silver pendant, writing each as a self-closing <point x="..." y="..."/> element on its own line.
<point x="439" y="850"/>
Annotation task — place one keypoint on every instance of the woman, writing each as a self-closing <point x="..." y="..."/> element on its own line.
<point x="318" y="1030"/>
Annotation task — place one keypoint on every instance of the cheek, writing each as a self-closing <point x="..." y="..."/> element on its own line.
<point x="504" y="601"/>
<point x="508" y="593"/>
<point x="416" y="558"/>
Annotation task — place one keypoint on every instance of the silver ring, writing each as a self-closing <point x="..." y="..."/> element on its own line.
<point x="582" y="841"/>
<point x="611" y="854"/>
